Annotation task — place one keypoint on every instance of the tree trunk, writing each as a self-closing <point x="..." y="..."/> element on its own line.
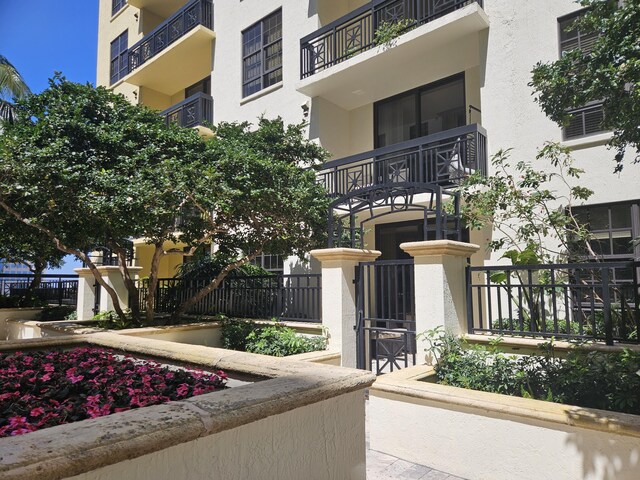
<point x="134" y="305"/>
<point x="190" y="302"/>
<point x="153" y="282"/>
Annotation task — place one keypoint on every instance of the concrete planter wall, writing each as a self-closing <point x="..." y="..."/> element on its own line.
<point x="15" y="313"/>
<point x="478" y="435"/>
<point x="301" y="421"/>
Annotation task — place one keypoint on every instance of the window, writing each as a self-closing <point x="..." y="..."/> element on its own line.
<point x="117" y="5"/>
<point x="262" y="54"/>
<point x="586" y="120"/>
<point x="613" y="228"/>
<point x="203" y="86"/>
<point x="427" y="110"/>
<point x="272" y="263"/>
<point x="119" y="57"/>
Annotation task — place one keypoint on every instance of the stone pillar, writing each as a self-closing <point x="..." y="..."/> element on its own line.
<point x="339" y="297"/>
<point x="440" y="285"/>
<point x="86" y="290"/>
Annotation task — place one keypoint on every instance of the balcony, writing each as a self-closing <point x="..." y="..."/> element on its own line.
<point x="161" y="8"/>
<point x="194" y="111"/>
<point x="175" y="54"/>
<point x="443" y="159"/>
<point x="343" y="63"/>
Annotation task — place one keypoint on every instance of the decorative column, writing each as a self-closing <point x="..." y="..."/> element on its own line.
<point x="440" y="285"/>
<point x="86" y="290"/>
<point x="339" y="297"/>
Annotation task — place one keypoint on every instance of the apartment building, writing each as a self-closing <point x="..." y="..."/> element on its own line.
<point x="405" y="116"/>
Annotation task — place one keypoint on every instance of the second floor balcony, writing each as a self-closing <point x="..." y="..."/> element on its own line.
<point x="443" y="159"/>
<point x="195" y="111"/>
<point x="177" y="53"/>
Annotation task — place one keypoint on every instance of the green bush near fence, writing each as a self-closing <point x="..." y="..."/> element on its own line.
<point x="273" y="339"/>
<point x="586" y="378"/>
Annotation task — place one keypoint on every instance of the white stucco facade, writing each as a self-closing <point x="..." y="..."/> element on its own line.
<point x="494" y="46"/>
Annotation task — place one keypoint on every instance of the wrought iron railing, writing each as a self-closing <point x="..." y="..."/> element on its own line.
<point x="193" y="111"/>
<point x="198" y="12"/>
<point x="444" y="158"/>
<point x="105" y="257"/>
<point x="53" y="289"/>
<point x="591" y="301"/>
<point x="286" y="297"/>
<point x="355" y="32"/>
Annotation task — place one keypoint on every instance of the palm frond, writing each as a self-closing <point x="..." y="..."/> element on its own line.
<point x="11" y="82"/>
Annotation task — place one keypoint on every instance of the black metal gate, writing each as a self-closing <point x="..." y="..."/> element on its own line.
<point x="385" y="324"/>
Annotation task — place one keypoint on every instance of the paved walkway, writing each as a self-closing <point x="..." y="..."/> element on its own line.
<point x="381" y="466"/>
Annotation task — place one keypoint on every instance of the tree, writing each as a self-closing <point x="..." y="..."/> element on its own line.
<point x="256" y="191"/>
<point x="529" y="209"/>
<point x="84" y="167"/>
<point x="610" y="72"/>
<point x="27" y="246"/>
<point x="11" y="85"/>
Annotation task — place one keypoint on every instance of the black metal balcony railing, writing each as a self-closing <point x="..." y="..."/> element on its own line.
<point x="198" y="12"/>
<point x="193" y="111"/>
<point x="443" y="158"/>
<point x="355" y="32"/>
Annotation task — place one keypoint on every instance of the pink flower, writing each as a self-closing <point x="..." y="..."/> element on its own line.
<point x="182" y="389"/>
<point x="36" y="412"/>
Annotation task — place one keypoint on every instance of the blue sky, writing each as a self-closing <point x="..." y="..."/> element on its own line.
<point x="43" y="36"/>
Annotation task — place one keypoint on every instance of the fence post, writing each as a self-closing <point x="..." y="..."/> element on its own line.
<point x="339" y="297"/>
<point x="86" y="289"/>
<point x="440" y="285"/>
<point x="606" y="304"/>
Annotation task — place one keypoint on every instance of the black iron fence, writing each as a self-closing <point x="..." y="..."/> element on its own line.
<point x="444" y="158"/>
<point x="590" y="301"/>
<point x="356" y="32"/>
<point x="53" y="289"/>
<point x="193" y="111"/>
<point x="198" y="12"/>
<point x="286" y="297"/>
<point x="385" y="324"/>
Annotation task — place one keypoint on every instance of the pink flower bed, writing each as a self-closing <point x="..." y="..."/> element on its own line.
<point x="43" y="389"/>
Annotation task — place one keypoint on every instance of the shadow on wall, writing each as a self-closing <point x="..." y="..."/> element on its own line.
<point x="605" y="457"/>
<point x="301" y="267"/>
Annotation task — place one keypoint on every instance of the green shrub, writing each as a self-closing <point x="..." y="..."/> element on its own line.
<point x="280" y="341"/>
<point x="235" y="333"/>
<point x="56" y="313"/>
<point x="591" y="379"/>
<point x="273" y="339"/>
<point x="110" y="320"/>
<point x="20" y="302"/>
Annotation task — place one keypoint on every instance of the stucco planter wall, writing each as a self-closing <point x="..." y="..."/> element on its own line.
<point x="302" y="421"/>
<point x="16" y="313"/>
<point x="479" y="435"/>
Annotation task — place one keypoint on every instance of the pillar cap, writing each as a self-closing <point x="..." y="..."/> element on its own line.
<point x="333" y="254"/>
<point x="439" y="247"/>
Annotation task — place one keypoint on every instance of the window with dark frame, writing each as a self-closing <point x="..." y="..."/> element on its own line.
<point x="117" y="5"/>
<point x="119" y="58"/>
<point x="586" y="120"/>
<point x="271" y="263"/>
<point x="613" y="228"/>
<point x="262" y="54"/>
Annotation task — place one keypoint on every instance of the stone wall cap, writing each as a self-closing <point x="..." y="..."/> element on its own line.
<point x="413" y="384"/>
<point x="328" y="254"/>
<point x="75" y="448"/>
<point x="439" y="247"/>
